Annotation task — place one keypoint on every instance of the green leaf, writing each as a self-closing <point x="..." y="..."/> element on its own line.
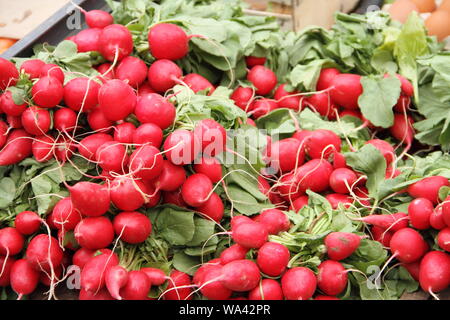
<point x="176" y="227"/>
<point x="306" y="76"/>
<point x="7" y="192"/>
<point x="204" y="229"/>
<point x="185" y="263"/>
<point x="244" y="202"/>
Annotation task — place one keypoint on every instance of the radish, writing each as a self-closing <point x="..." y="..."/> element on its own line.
<point x="413" y="268"/>
<point x="288" y="187"/>
<point x="65" y="120"/>
<point x="174" y="197"/>
<point x="407" y="245"/>
<point x="149" y="134"/>
<point x="212" y="288"/>
<point x="94" y="233"/>
<point x="252" y="61"/>
<point x="132" y="70"/>
<point x="98" y="122"/>
<point x="285" y="155"/>
<point x="314" y="175"/>
<point x="420" y="211"/>
<point x="443" y="239"/>
<point x="339" y="161"/>
<point x="213" y="208"/>
<point x="116" y="99"/>
<point x="65" y="216"/>
<point x="179" y="279"/>
<point x="91" y="199"/>
<point x="393" y="222"/>
<point x="157" y="277"/>
<point x="52" y="70"/>
<point x="116" y="278"/>
<point x="240" y="275"/>
<point x="198" y="83"/>
<point x="196" y="189"/>
<point x="36" y="121"/>
<point x="385" y="148"/>
<point x="302" y="135"/>
<point x="83" y="255"/>
<point x="47" y="92"/>
<point x="403" y="104"/>
<point x="11" y="241"/>
<point x="428" y="188"/>
<point x="137" y="286"/>
<point x="250" y="235"/>
<point x="64" y="149"/>
<point x="261" y="107"/>
<point x="81" y="94"/>
<point x="107" y="72"/>
<point x="9" y="107"/>
<point x="101" y="294"/>
<point x="98" y="18"/>
<point x="237" y="220"/>
<point x="163" y="74"/>
<point x="94" y="272"/>
<point x="124" y="132"/>
<point x="336" y="198"/>
<point x="263" y="79"/>
<point x="402" y="129"/>
<point x="24" y="278"/>
<point x="128" y="194"/>
<point x="235" y="252"/>
<point x="8" y="74"/>
<point x="168" y="41"/>
<point x="243" y="97"/>
<point x="88" y="146"/>
<point x="132" y="227"/>
<point x="144" y="89"/>
<point x="322" y="143"/>
<point x="88" y="40"/>
<point x="273" y="259"/>
<point x="112" y="156"/>
<point x="181" y="147"/>
<point x="115" y="42"/>
<point x="322" y="297"/>
<point x="27" y="222"/>
<point x="406" y="86"/>
<point x="153" y="108"/>
<point x="46" y="278"/>
<point x="321" y="103"/>
<point x="171" y="178"/>
<point x="17" y="148"/>
<point x="299" y="203"/>
<point x="32" y="68"/>
<point x="6" y="265"/>
<point x="381" y="235"/>
<point x="437" y="219"/>
<point x="212" y="137"/>
<point x="435" y="272"/>
<point x="201" y="271"/>
<point x="298" y="284"/>
<point x="146" y="162"/>
<point x="43" y="253"/>
<point x="346" y="89"/>
<point x="3" y="133"/>
<point x="289" y="100"/>
<point x="341" y="245"/>
<point x="326" y="78"/>
<point x="210" y="167"/>
<point x="14" y="122"/>
<point x="332" y="277"/>
<point x="268" y="289"/>
<point x="274" y="220"/>
<point x="342" y="180"/>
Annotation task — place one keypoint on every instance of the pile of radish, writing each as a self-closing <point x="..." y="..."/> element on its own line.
<point x="335" y="194"/>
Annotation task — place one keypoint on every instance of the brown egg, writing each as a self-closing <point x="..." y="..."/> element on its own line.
<point x="445" y="5"/>
<point x="401" y="9"/>
<point x="425" y="5"/>
<point x="438" y="24"/>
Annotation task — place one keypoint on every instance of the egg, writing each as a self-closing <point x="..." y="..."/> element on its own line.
<point x="445" y="5"/>
<point x="425" y="5"/>
<point x="438" y="24"/>
<point x="401" y="9"/>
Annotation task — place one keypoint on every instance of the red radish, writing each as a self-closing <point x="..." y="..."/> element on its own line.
<point x="341" y="245"/>
<point x="101" y="294"/>
<point x="81" y="94"/>
<point x="201" y="271"/>
<point x="36" y="121"/>
<point x="116" y="278"/>
<point x="91" y="199"/>
<point x="261" y="107"/>
<point x="240" y="275"/>
<point x="196" y="189"/>
<point x="94" y="232"/>
<point x="88" y="40"/>
<point x="302" y="135"/>
<point x="299" y="203"/>
<point x="11" y="241"/>
<point x="132" y="70"/>
<point x="210" y="167"/>
<point x="342" y="180"/>
<point x="47" y="92"/>
<point x="46" y="278"/>
<point x="17" y="148"/>
<point x="146" y="162"/>
<point x="112" y="156"/>
<point x="237" y="220"/>
<point x="437" y="219"/>
<point x="273" y="259"/>
<point x="65" y="216"/>
<point x="268" y="289"/>
<point x="420" y="211"/>
<point x="148" y="133"/>
<point x="403" y="104"/>
<point x="94" y="272"/>
<point x="322" y="297"/>
<point x="321" y="103"/>
<point x="314" y="175"/>
<point x="346" y="89"/>
<point x="351" y="113"/>
<point x="428" y="188"/>
<point x="64" y="149"/>
<point x="3" y="133"/>
<point x="83" y="255"/>
<point x="212" y="136"/>
<point x="235" y="252"/>
<point x="116" y="99"/>
<point x="65" y="120"/>
<point x="402" y="129"/>
<point x="43" y="252"/>
<point x="32" y="68"/>
<point x="332" y="277"/>
<point x="289" y="100"/>
<point x="285" y="155"/>
<point x="132" y="227"/>
<point x="123" y="132"/>
<point x="446" y="211"/>
<point x="144" y="89"/>
<point x="336" y="198"/>
<point x="27" y="222"/>
<point x="137" y="286"/>
<point x="88" y="146"/>
<point x="168" y="41"/>
<point x="50" y="222"/>
<point x="443" y="239"/>
<point x="385" y="148"/>
<point x="381" y="235"/>
<point x="98" y="18"/>
<point x="179" y="279"/>
<point x="288" y="187"/>
<point x="14" y="122"/>
<point x="128" y="194"/>
<point x="153" y="108"/>
<point x="435" y="271"/>
<point x="24" y="278"/>
<point x="198" y="83"/>
<point x="8" y="105"/>
<point x="263" y="79"/>
<point x="298" y="284"/>
<point x="250" y="234"/>
<point x="8" y="74"/>
<point x="406" y="86"/>
<point x="174" y="197"/>
<point x="211" y="287"/>
<point x="98" y="121"/>
<point x="408" y="245"/>
<point x="115" y="42"/>
<point x="326" y="78"/>
<point x="393" y="222"/>
<point x="43" y="148"/>
<point x="181" y="147"/>
<point x="243" y="97"/>
<point x="163" y="75"/>
<point x="252" y="61"/>
<point x="52" y="70"/>
<point x="5" y="275"/>
<point x="157" y="277"/>
<point x="413" y="268"/>
<point x="67" y="240"/>
<point x="213" y="208"/>
<point x="274" y="220"/>
<point x="171" y="178"/>
<point x="322" y="143"/>
<point x="107" y="72"/>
